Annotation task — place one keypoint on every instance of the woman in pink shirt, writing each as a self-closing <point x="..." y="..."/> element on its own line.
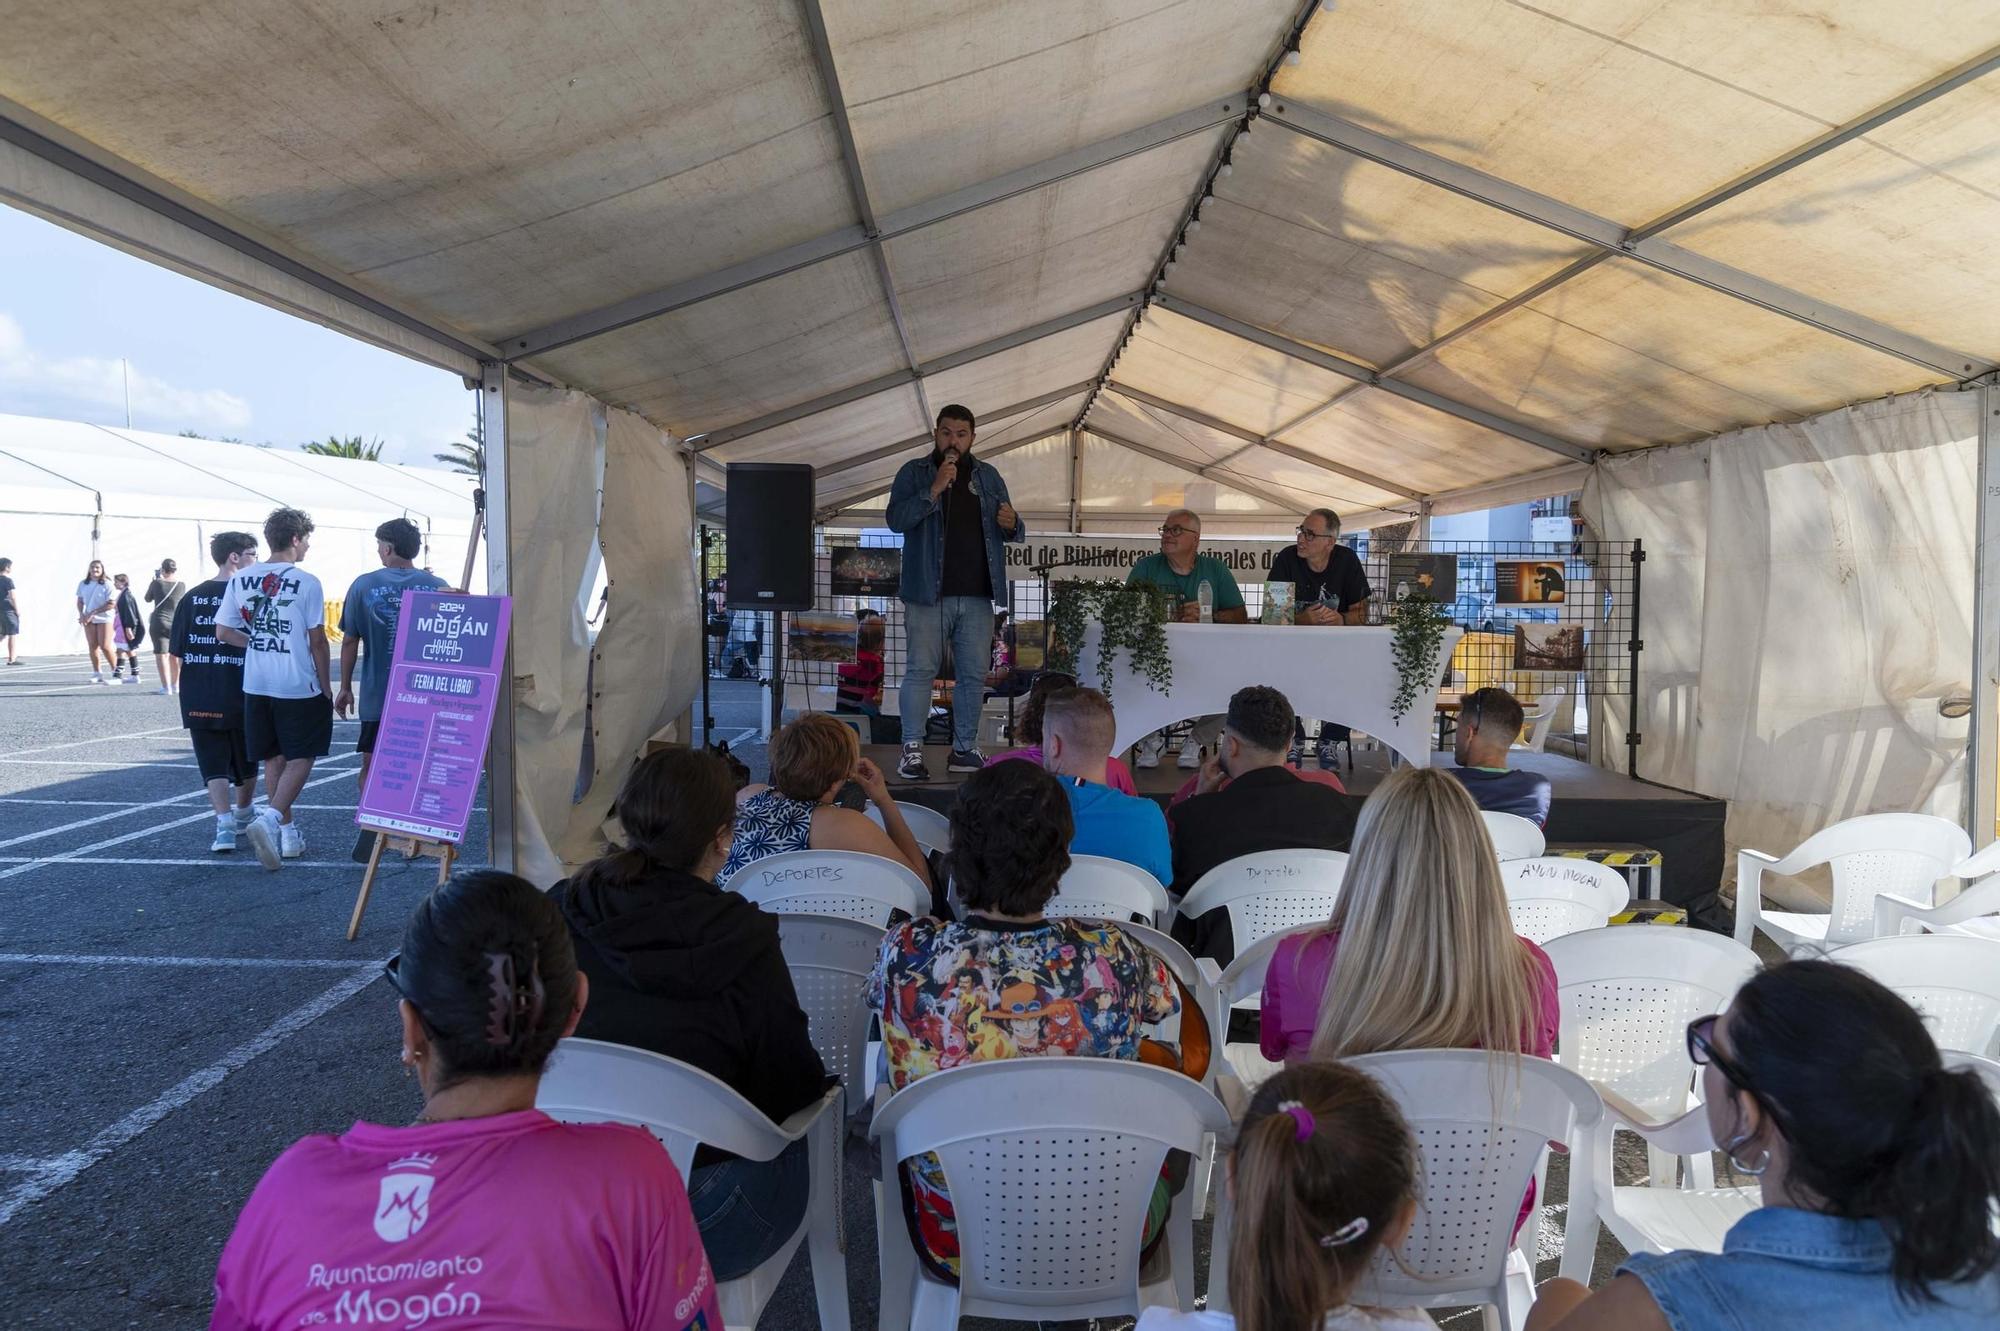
<point x="1423" y="913"/>
<point x="485" y="1212"/>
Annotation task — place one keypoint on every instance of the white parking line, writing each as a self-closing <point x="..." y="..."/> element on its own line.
<point x="200" y="963"/>
<point x="141" y="804"/>
<point x="143" y="832"/>
<point x="100" y="739"/>
<point x="61" y="1170"/>
<point x="219" y="861"/>
<point x="103" y="817"/>
<point x="102" y="767"/>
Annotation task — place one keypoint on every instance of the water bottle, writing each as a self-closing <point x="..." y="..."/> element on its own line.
<point x="1205" y="594"/>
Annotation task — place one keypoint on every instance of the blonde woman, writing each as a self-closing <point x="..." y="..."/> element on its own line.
<point x="811" y="759"/>
<point x="1423" y="915"/>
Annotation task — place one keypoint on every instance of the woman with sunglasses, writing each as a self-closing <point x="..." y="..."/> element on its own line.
<point x="485" y="1211"/>
<point x="1879" y="1166"/>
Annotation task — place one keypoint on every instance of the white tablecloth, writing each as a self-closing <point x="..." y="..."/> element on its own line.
<point x="1335" y="673"/>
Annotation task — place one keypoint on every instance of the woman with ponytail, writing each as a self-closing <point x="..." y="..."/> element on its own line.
<point x="1879" y="1166"/>
<point x="1323" y="1177"/>
<point x="682" y="968"/>
<point x="485" y="1211"/>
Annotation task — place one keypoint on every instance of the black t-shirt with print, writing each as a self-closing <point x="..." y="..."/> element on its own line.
<point x="1344" y="582"/>
<point x="211" y="670"/>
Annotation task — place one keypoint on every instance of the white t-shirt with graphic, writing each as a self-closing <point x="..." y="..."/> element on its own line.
<point x="277" y="606"/>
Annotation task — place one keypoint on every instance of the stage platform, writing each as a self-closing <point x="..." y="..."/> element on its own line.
<point x="1593" y="808"/>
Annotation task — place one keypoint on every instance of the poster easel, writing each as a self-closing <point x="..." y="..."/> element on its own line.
<point x="410" y="848"/>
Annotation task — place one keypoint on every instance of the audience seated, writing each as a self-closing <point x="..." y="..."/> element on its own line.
<point x="485" y="1211"/>
<point x="1324" y="1177"/>
<point x="1880" y="1172"/>
<point x="811" y="759"/>
<point x="1266" y="806"/>
<point x="1318" y="775"/>
<point x="1005" y="982"/>
<point x="680" y="967"/>
<point x="1489" y="721"/>
<point x="1077" y="730"/>
<point x="1028" y="728"/>
<point x="1436" y="963"/>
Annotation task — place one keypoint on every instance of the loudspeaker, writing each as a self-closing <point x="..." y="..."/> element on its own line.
<point x="770" y="529"/>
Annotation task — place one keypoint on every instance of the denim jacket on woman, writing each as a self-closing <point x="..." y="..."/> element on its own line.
<point x="920" y="519"/>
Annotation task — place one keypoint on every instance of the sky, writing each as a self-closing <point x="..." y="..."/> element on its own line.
<point x="199" y="358"/>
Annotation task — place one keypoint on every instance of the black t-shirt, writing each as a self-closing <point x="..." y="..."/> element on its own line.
<point x="1344" y="582"/>
<point x="211" y="670"/>
<point x="6" y="585"/>
<point x="965" y="571"/>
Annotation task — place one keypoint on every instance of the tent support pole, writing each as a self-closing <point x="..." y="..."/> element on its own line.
<point x="505" y="848"/>
<point x="1075" y="487"/>
<point x="1983" y="739"/>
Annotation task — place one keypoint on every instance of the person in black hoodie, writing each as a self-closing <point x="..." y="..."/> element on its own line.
<point x="682" y="968"/>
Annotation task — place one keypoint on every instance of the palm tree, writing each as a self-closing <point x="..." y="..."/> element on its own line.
<point x="466" y="456"/>
<point x="333" y="446"/>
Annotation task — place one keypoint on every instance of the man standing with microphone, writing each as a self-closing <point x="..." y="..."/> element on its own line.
<point x="953" y="513"/>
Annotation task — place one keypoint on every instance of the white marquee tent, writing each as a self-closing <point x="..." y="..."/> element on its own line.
<point x="1403" y="257"/>
<point x="71" y="493"/>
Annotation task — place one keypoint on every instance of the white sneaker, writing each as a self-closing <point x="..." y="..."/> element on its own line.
<point x="262" y="834"/>
<point x="1190" y="759"/>
<point x="225" y="835"/>
<point x="163" y="691"/>
<point x="97" y="679"/>
<point x="291" y="842"/>
<point x="1148" y="752"/>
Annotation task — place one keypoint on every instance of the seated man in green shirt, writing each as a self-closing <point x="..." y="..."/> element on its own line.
<point x="1179" y="570"/>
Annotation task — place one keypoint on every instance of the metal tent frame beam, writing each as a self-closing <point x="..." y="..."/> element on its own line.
<point x="849" y="239"/>
<point x="1002" y="414"/>
<point x="1361" y="374"/>
<point x="1643" y="243"/>
<point x="858" y="492"/>
<point x="1255" y="440"/>
<point x="1208" y="472"/>
<point x="702" y="443"/>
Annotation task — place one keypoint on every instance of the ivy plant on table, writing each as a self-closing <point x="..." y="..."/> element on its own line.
<point x="1417" y="625"/>
<point x="1131" y="616"/>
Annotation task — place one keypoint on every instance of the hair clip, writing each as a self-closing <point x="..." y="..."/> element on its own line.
<point x="1301" y="1116"/>
<point x="1346" y="1234"/>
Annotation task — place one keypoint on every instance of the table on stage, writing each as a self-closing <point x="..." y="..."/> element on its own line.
<point x="1341" y="673"/>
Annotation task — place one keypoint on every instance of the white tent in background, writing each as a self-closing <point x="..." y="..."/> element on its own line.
<point x="71" y="493"/>
<point x="1396" y="258"/>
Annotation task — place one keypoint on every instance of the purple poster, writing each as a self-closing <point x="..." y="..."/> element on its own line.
<point x="444" y="683"/>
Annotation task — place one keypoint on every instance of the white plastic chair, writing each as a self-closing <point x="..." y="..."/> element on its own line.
<point x="931" y="828"/>
<point x="1196" y="975"/>
<point x="1100" y="888"/>
<point x="830" y="960"/>
<point x="1051" y="1163"/>
<point x="845" y="883"/>
<point x="1540" y="718"/>
<point x="1972" y="911"/>
<point x="1626" y="996"/>
<point x="1269" y="892"/>
<point x="1900" y="853"/>
<point x="1952" y="982"/>
<point x="1549" y="896"/>
<point x="1483" y="1123"/>
<point x="1987" y="1068"/>
<point x="590" y="1081"/>
<point x="1514" y="837"/>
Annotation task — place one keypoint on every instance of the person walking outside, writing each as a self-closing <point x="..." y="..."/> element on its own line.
<point x="10" y="610"/>
<point x="276" y="611"/>
<point x="368" y="620"/>
<point x="953" y="514"/>
<point x="164" y="595"/>
<point x="211" y="690"/>
<point x="94" y="610"/>
<point x="127" y="630"/>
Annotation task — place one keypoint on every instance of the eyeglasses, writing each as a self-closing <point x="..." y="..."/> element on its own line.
<point x="1702" y="1051"/>
<point x="392" y="970"/>
<point x="1178" y="530"/>
<point x="1314" y="535"/>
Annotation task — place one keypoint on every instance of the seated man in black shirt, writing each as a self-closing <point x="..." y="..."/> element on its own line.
<point x="1329" y="587"/>
<point x="1265" y="806"/>
<point x="1489" y="721"/>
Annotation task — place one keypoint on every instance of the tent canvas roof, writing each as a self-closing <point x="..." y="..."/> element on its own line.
<point x="1455" y="248"/>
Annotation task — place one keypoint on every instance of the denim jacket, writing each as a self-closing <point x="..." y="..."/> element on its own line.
<point x="920" y="519"/>
<point x="1781" y="1268"/>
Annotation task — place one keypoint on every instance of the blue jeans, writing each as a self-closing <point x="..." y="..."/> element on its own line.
<point x="968" y="622"/>
<point x="748" y="1209"/>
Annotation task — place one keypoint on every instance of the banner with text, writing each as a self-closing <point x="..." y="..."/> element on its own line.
<point x="444" y="683"/>
<point x="1113" y="556"/>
